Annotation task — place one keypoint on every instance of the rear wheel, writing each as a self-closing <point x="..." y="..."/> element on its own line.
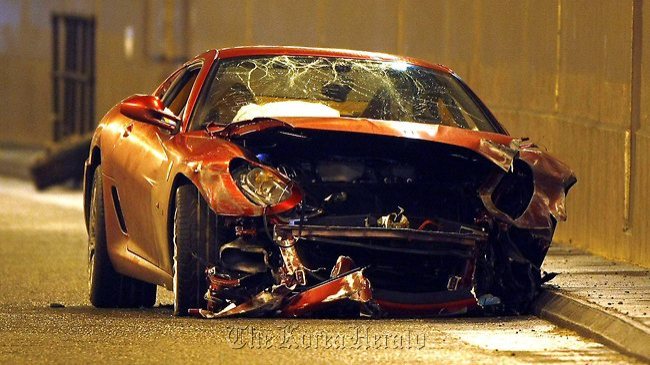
<point x="108" y="288"/>
<point x="193" y="229"/>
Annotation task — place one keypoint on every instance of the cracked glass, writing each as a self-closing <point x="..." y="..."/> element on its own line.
<point x="298" y="86"/>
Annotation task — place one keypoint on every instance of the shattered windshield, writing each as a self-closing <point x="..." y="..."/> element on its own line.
<point x="299" y="86"/>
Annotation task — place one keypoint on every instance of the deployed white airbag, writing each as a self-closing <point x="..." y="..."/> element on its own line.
<point x="292" y="108"/>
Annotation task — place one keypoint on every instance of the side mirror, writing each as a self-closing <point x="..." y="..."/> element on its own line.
<point x="149" y="109"/>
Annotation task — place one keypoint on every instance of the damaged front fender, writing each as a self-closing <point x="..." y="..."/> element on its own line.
<point x="551" y="180"/>
<point x="215" y="182"/>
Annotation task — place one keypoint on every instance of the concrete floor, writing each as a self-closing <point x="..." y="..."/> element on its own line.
<point x="42" y="262"/>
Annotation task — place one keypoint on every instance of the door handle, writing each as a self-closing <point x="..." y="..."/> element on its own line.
<point x="127" y="130"/>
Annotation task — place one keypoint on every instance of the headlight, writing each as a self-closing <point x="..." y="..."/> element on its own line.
<point x="261" y="186"/>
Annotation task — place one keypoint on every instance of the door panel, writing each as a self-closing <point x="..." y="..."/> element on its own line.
<point x="140" y="165"/>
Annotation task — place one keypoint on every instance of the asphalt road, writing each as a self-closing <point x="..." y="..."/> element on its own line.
<point x="45" y="316"/>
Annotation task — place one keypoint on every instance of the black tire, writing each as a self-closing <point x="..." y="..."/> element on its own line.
<point x="191" y="249"/>
<point x="109" y="289"/>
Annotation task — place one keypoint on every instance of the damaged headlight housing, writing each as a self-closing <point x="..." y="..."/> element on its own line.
<point x="513" y="193"/>
<point x="261" y="186"/>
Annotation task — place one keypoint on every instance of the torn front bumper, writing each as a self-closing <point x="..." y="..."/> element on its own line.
<point x="351" y="271"/>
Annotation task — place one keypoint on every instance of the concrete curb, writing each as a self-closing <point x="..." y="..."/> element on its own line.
<point x="588" y="319"/>
<point x="16" y="161"/>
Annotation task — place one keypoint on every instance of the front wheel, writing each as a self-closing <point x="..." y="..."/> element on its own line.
<point x="192" y="251"/>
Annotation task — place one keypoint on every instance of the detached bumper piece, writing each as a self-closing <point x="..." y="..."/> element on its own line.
<point x="287" y="302"/>
<point x="372" y="272"/>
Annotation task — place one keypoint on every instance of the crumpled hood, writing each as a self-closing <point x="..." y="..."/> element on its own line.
<point x="498" y="148"/>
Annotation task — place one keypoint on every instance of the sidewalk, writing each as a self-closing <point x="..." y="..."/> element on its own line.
<point x="606" y="300"/>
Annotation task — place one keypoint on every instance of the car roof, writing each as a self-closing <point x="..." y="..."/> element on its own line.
<point x="232" y="52"/>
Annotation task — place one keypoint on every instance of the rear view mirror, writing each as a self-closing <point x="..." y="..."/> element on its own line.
<point x="149" y="109"/>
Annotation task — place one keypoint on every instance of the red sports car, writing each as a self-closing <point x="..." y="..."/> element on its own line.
<point x="302" y="181"/>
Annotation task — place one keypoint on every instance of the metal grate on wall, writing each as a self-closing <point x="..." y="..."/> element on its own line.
<point x="73" y="75"/>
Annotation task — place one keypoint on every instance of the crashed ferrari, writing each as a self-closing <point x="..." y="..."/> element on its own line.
<point x="283" y="181"/>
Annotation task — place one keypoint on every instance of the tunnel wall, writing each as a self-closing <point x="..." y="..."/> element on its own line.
<point x="573" y="75"/>
<point x="26" y="62"/>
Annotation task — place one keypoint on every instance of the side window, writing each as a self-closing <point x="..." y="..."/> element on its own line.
<point x="175" y="98"/>
<point x="164" y="87"/>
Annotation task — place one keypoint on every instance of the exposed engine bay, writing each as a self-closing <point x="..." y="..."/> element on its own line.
<point x="384" y="226"/>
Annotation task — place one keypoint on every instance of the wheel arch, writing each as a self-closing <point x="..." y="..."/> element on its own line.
<point x="94" y="160"/>
<point x="179" y="180"/>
